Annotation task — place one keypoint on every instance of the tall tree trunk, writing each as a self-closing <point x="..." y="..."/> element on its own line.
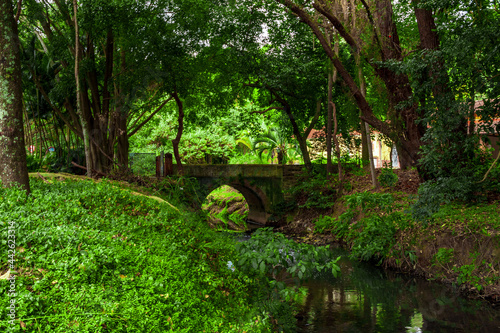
<point x="441" y="91"/>
<point x="362" y="85"/>
<point x="364" y="145"/>
<point x="370" y="153"/>
<point x="365" y="139"/>
<point x="329" y="165"/>
<point x="122" y="141"/>
<point x="79" y="97"/>
<point x="429" y="40"/>
<point x="180" y="128"/>
<point x="122" y="134"/>
<point x="13" y="167"/>
<point x="337" y="150"/>
<point x="472" y="113"/>
<point x="332" y="78"/>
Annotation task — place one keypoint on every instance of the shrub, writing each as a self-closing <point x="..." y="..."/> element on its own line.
<point x="434" y="193"/>
<point x="33" y="162"/>
<point x="323" y="223"/>
<point x="387" y="177"/>
<point x="374" y="235"/>
<point x="272" y="253"/>
<point x="316" y="190"/>
<point x="443" y="256"/>
<point x="143" y="164"/>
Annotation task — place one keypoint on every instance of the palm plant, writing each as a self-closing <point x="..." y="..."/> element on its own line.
<point x="245" y="144"/>
<point x="271" y="143"/>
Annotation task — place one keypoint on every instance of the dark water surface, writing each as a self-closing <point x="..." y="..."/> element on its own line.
<point x="366" y="299"/>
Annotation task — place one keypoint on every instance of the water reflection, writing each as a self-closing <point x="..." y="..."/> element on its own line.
<point x="367" y="299"/>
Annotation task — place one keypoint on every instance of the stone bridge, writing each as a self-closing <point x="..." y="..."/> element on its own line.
<point x="262" y="185"/>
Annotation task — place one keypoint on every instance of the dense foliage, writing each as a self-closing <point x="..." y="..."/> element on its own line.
<point x="94" y="256"/>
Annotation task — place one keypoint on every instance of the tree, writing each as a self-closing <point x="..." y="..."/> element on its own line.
<point x="380" y="43"/>
<point x="289" y="73"/>
<point x="135" y="57"/>
<point x="458" y="72"/>
<point x="12" y="151"/>
<point x="116" y="51"/>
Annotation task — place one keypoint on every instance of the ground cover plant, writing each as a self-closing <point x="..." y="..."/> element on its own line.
<point x="92" y="257"/>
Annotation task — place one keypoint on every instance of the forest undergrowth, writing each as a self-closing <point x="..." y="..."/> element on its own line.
<point x="91" y="256"/>
<point x="459" y="244"/>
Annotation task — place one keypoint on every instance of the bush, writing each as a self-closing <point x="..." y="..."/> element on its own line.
<point x="434" y="193"/>
<point x="387" y="177"/>
<point x="56" y="161"/>
<point x="323" y="223"/>
<point x="143" y="164"/>
<point x="33" y="162"/>
<point x="182" y="190"/>
<point x="316" y="190"/>
<point x="374" y="235"/>
<point x="248" y="158"/>
<point x="274" y="254"/>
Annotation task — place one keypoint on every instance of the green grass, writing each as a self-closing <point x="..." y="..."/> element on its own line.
<point x="92" y="257"/>
<point x="483" y="218"/>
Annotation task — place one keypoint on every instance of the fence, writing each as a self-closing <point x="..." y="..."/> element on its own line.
<point x="142" y="164"/>
<point x="148" y="164"/>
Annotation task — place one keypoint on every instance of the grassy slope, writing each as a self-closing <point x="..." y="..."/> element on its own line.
<point x="92" y="257"/>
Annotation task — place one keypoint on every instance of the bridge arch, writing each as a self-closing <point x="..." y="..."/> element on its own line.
<point x="261" y="185"/>
<point x="259" y="207"/>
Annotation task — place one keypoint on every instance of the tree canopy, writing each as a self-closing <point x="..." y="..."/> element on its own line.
<point x="422" y="73"/>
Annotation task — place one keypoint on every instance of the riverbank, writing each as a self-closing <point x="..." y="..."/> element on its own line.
<point x="459" y="245"/>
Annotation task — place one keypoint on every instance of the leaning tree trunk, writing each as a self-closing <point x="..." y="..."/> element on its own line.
<point x="301" y="137"/>
<point x="180" y="128"/>
<point x="83" y="120"/>
<point x="13" y="167"/>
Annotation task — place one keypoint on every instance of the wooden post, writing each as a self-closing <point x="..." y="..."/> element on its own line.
<point x="162" y="163"/>
<point x="370" y="153"/>
<point x="168" y="167"/>
<point x="158" y="166"/>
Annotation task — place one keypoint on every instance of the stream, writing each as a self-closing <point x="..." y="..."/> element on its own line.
<point x="366" y="298"/>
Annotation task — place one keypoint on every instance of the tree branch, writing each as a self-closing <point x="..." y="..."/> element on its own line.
<point x="363" y="105"/>
<point x="269" y="109"/>
<point x="149" y="118"/>
<point x="336" y="23"/>
<point x="370" y="18"/>
<point x="19" y="5"/>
